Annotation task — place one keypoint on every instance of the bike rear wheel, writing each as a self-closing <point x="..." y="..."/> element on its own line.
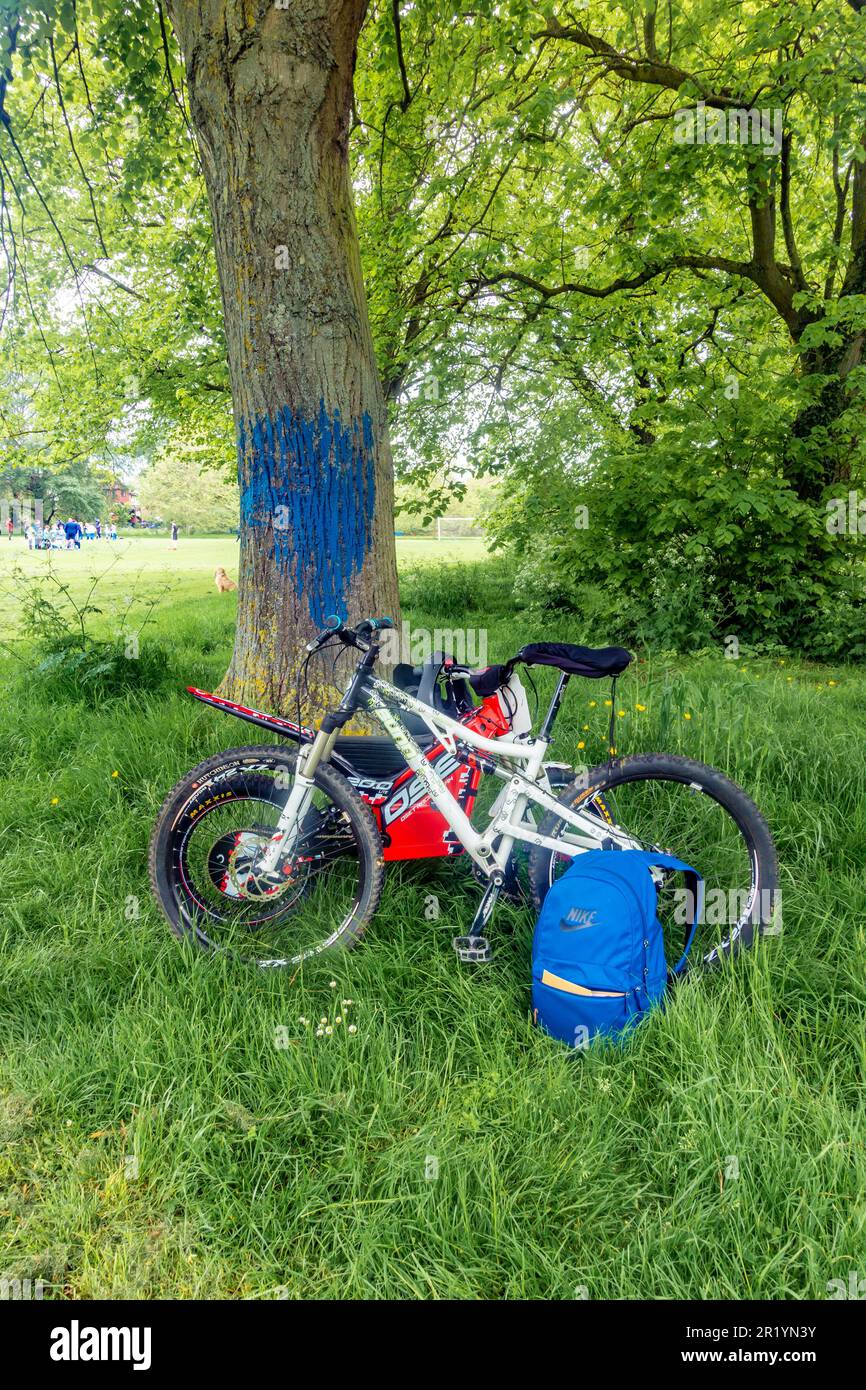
<point x="203" y="870"/>
<point x="687" y="809"/>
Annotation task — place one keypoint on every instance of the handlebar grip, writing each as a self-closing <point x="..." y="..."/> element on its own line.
<point x="333" y="626"/>
<point x="352" y="636"/>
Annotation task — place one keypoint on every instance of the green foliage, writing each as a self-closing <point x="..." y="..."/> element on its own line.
<point x="62" y="643"/>
<point x="686" y="539"/>
<point x="268" y="1171"/>
<point x="183" y="485"/>
<point x="109" y="306"/>
<point x="570" y="296"/>
<point x="71" y="490"/>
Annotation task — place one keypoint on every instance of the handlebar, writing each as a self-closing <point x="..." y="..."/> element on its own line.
<point x="352" y="636"/>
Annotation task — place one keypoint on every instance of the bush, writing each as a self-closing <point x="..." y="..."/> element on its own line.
<point x="59" y="647"/>
<point x="836" y="629"/>
<point x="451" y="590"/>
<point x="685" y="541"/>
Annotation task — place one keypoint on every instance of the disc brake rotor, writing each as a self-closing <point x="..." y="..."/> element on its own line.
<point x="231" y="861"/>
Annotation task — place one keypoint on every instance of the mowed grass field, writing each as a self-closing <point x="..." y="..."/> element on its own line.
<point x="157" y="1139"/>
<point x="149" y="564"/>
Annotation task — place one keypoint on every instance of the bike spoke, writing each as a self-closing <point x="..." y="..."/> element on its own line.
<point x="282" y="915"/>
<point x="680" y="818"/>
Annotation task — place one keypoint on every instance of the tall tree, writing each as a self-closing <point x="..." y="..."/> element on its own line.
<point x="101" y="229"/>
<point x="588" y="160"/>
<point x="270" y="91"/>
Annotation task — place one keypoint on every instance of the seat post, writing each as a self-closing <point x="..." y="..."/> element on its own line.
<point x="553" y="708"/>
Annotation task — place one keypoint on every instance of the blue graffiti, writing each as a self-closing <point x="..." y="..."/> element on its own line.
<point x="312" y="484"/>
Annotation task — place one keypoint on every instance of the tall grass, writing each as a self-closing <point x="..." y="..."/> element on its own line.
<point x="169" y="1127"/>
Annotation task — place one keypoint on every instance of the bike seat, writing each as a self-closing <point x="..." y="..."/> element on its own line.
<point x="576" y="661"/>
<point x="593" y="662"/>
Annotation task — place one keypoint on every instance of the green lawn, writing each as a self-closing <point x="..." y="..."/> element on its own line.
<point x="147" y="562"/>
<point x="156" y="1142"/>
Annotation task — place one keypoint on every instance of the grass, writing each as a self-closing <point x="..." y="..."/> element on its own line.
<point x="145" y="561"/>
<point x="168" y="1128"/>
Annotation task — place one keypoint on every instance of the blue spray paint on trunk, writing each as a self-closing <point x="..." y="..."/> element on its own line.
<point x="312" y="484"/>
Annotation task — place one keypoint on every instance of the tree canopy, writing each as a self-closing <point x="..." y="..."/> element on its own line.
<point x="591" y="268"/>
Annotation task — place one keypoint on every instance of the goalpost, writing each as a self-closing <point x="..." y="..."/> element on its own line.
<point x="447" y="527"/>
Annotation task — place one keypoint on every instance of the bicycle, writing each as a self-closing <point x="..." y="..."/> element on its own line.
<point x="291" y="856"/>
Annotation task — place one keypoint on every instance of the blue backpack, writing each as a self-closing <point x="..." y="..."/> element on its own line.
<point x="598" y="955"/>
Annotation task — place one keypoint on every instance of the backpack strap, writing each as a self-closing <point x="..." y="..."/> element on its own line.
<point x="695" y="888"/>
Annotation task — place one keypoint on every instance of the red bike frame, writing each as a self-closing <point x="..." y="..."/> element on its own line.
<point x="410" y="825"/>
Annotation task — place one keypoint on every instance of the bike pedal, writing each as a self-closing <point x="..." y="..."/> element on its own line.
<point x="472" y="948"/>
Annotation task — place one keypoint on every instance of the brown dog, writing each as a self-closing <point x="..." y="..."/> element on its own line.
<point x="222" y="581"/>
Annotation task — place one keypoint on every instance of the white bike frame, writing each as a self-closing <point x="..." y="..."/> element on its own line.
<point x="519" y="763"/>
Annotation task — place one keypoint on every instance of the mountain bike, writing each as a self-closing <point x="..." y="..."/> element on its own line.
<point x="278" y="857"/>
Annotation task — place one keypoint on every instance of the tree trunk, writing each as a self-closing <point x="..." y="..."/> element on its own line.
<point x="821" y="444"/>
<point x="270" y="100"/>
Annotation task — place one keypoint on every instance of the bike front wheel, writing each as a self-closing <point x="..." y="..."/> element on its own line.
<point x="680" y="807"/>
<point x="213" y="828"/>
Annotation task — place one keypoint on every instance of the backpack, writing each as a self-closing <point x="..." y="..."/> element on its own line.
<point x="598" y="956"/>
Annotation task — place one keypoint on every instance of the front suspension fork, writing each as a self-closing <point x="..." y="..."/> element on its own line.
<point x="300" y="797"/>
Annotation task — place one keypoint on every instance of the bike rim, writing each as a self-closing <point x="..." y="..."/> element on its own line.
<point x="684" y="817"/>
<point x="283" y="920"/>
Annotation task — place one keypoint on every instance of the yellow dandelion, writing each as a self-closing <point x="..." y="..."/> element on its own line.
<point x="55" y="801"/>
<point x="608" y="702"/>
<point x="592" y="704"/>
<point x="687" y="715"/>
<point x="581" y="744"/>
<point x="115" y="774"/>
<point x="621" y="713"/>
<point x="642" y="708"/>
<point x="832" y="682"/>
<point x="790" y="678"/>
<point x="585" y="728"/>
<point x="613" y="752"/>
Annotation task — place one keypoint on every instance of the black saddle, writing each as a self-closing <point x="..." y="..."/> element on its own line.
<point x="592" y="662"/>
<point x="576" y="661"/>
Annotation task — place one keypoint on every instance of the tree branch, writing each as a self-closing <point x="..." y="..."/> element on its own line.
<point x="407" y="93"/>
<point x="651" y="70"/>
<point x="112" y="280"/>
<point x="787" y="220"/>
<point x="622" y="282"/>
<point x="59" y="89"/>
